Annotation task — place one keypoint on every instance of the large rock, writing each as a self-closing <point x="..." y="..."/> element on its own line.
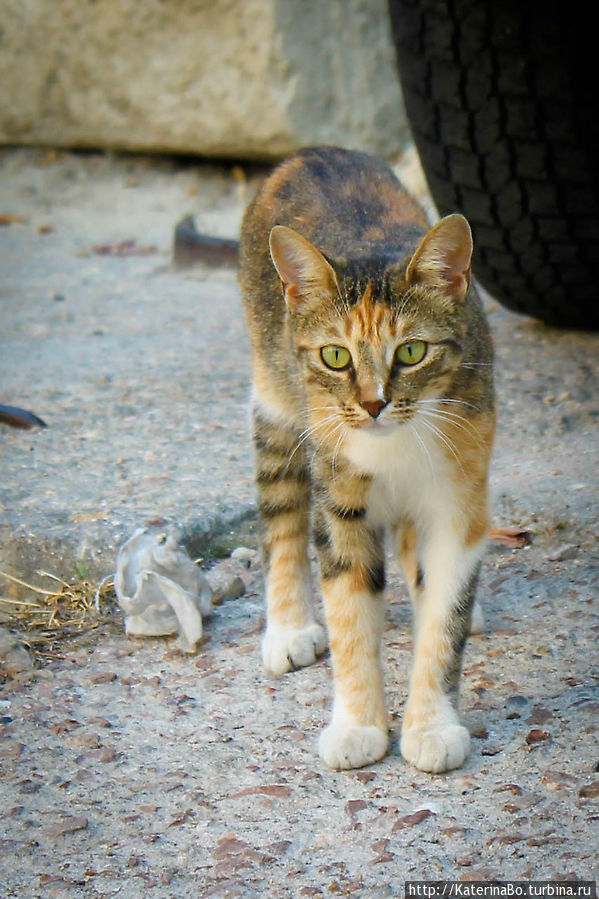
<point x="227" y="78"/>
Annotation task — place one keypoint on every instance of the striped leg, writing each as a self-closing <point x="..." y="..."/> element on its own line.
<point x="353" y="577"/>
<point x="293" y="637"/>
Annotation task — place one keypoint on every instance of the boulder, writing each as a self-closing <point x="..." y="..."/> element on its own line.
<point x="245" y="79"/>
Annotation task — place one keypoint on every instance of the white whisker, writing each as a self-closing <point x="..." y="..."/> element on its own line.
<point x="424" y="447"/>
<point x="310" y="431"/>
<point x="443" y="438"/>
<point x="446" y="401"/>
<point x="329" y="434"/>
<point x="336" y="453"/>
<point x="452" y="418"/>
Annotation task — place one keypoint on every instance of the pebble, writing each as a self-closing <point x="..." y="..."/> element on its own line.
<point x="245" y="556"/>
<point x="563" y="553"/>
<point x="14" y="658"/>
<point x="589" y="791"/>
<point x="225" y="583"/>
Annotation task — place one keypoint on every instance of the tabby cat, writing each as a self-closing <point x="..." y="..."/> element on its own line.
<point x="373" y="415"/>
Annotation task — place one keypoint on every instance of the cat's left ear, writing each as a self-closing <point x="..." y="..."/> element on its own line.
<point x="302" y="268"/>
<point x="444" y="257"/>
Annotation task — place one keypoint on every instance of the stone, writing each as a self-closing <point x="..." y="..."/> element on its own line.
<point x="212" y="77"/>
<point x="225" y="583"/>
<point x="14" y="657"/>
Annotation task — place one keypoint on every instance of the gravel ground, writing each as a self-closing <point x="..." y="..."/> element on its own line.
<point x="129" y="768"/>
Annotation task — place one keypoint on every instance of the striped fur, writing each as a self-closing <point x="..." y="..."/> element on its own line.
<point x="335" y="253"/>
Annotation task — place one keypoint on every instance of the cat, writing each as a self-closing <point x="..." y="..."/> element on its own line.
<point x="373" y="415"/>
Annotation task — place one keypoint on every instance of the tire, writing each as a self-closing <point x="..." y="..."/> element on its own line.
<point x="500" y="98"/>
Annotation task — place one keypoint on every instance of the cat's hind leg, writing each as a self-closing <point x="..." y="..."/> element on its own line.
<point x="293" y="637"/>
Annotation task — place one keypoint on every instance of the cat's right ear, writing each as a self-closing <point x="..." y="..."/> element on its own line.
<point x="303" y="270"/>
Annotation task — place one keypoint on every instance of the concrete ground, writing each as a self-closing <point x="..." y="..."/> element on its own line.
<point x="131" y="769"/>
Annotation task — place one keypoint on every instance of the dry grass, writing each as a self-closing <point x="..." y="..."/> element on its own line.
<point x="51" y="616"/>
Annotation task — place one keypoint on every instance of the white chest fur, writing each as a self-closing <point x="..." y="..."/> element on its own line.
<point x="412" y="476"/>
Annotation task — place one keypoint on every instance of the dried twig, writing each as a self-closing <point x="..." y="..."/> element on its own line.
<point x="55" y="615"/>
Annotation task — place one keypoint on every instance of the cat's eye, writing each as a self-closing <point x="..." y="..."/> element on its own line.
<point x="411" y="353"/>
<point x="336" y="357"/>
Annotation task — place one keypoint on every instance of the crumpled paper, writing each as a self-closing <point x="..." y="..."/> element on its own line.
<point x="160" y="589"/>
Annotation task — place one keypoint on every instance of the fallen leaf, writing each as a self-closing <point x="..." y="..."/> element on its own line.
<point x="65" y="727"/>
<point x="544" y="841"/>
<point x="536" y="735"/>
<point x="558" y="780"/>
<point x="11" y="218"/>
<point x="506" y="839"/>
<point x="454" y="830"/>
<point x="515" y="538"/>
<point x="88" y="516"/>
<point x="563" y="553"/>
<point x="62" y="878"/>
<point x="68" y="825"/>
<point x="15" y="810"/>
<point x="411" y="820"/>
<point x="124" y="248"/>
<point x="380" y="845"/>
<point x="512" y="788"/>
<point x="100" y="722"/>
<point x="520" y="803"/>
<point x="230" y="846"/>
<point x="353" y="806"/>
<point x="86" y="741"/>
<point x="12" y="750"/>
<point x="100" y="755"/>
<point x="365" y="776"/>
<point x="279" y="847"/>
<point x="266" y="790"/>
<point x="539" y="715"/>
<point x="182" y="818"/>
<point x="104" y="677"/>
<point x="484" y="873"/>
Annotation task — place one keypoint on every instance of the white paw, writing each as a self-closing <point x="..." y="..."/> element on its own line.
<point x="284" y="650"/>
<point x="436" y="749"/>
<point x="352" y="746"/>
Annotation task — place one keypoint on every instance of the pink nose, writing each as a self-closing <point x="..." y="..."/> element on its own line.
<point x="374" y="408"/>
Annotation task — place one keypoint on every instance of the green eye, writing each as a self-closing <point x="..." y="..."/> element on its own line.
<point x="336" y="357"/>
<point x="411" y="353"/>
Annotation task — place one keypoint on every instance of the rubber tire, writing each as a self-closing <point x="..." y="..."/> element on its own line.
<point x="502" y="104"/>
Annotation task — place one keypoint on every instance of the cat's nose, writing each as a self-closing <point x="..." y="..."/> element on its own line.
<point x="374" y="407"/>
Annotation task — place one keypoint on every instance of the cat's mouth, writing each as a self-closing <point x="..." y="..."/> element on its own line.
<point x="392" y="417"/>
<point x="381" y="425"/>
<point x="379" y="428"/>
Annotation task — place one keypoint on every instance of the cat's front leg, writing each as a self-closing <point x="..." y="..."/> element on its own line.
<point x="432" y="737"/>
<point x="352" y="569"/>
<point x="293" y="636"/>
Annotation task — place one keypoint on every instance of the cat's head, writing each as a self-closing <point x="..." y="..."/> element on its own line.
<point x="374" y="346"/>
